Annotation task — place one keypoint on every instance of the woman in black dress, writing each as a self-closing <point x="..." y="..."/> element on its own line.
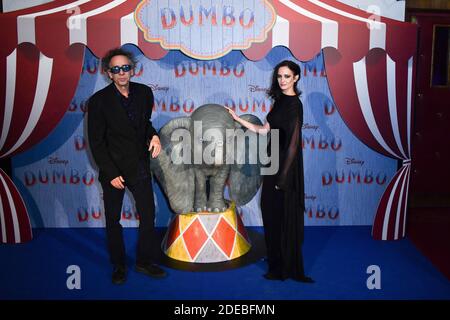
<point x="282" y="198"/>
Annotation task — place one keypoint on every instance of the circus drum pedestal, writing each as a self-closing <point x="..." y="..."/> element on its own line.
<point x="206" y="237"/>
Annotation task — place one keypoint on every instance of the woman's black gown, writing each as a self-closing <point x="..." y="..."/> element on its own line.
<point x="283" y="210"/>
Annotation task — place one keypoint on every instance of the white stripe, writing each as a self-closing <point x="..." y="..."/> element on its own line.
<point x="406" y="200"/>
<point x="13" y="213"/>
<point x="2" y="218"/>
<point x="329" y="27"/>
<point x="25" y="24"/>
<point x="280" y="32"/>
<point x="408" y="104"/>
<point x="128" y="30"/>
<point x="399" y="206"/>
<point x="40" y="96"/>
<point x="377" y="28"/>
<point x="79" y="35"/>
<point x="392" y="101"/>
<point x="11" y="63"/>
<point x="359" y="70"/>
<point x="389" y="206"/>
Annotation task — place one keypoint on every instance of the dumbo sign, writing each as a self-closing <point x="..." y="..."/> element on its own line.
<point x="205" y="29"/>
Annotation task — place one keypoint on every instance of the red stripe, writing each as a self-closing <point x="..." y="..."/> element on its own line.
<point x="377" y="227"/>
<point x="104" y="29"/>
<point x="26" y="79"/>
<point x="21" y="210"/>
<point x="401" y="50"/>
<point x="348" y="9"/>
<point x="396" y="30"/>
<point x="304" y="33"/>
<point x="56" y="25"/>
<point x="343" y="89"/>
<point x="404" y="200"/>
<point x="394" y="207"/>
<point x="378" y="92"/>
<point x="62" y="88"/>
<point x="8" y="34"/>
<point x="2" y="91"/>
<point x="151" y="50"/>
<point x="258" y="51"/>
<point x="8" y="21"/>
<point x="401" y="84"/>
<point x="7" y="212"/>
<point x="353" y="35"/>
<point x="63" y="84"/>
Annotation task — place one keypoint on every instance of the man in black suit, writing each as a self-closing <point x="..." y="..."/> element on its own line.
<point x="121" y="138"/>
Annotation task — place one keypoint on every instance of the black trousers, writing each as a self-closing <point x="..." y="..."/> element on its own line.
<point x="283" y="231"/>
<point x="272" y="211"/>
<point x="147" y="245"/>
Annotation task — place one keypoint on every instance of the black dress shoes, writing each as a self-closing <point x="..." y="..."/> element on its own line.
<point x="277" y="276"/>
<point x="152" y="270"/>
<point x="119" y="274"/>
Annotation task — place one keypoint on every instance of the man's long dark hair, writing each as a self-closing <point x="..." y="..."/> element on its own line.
<point x="117" y="52"/>
<point x="275" y="90"/>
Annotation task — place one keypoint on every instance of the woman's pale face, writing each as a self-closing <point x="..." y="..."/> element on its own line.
<point x="287" y="80"/>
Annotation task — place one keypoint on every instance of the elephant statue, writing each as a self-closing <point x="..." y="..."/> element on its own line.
<point x="205" y="147"/>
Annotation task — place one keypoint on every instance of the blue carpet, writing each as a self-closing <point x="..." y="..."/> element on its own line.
<point x="336" y="257"/>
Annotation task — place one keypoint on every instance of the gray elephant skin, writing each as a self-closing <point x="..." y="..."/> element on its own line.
<point x="183" y="177"/>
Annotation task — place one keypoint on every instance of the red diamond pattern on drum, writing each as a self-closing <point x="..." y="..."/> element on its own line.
<point x="174" y="231"/>
<point x="194" y="238"/>
<point x="241" y="229"/>
<point x="224" y="236"/>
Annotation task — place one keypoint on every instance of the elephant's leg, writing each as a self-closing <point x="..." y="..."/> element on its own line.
<point x="200" y="191"/>
<point x="216" y="202"/>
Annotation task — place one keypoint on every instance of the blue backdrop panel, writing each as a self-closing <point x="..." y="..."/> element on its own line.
<point x="344" y="179"/>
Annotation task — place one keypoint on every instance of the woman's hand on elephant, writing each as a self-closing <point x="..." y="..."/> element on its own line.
<point x="155" y="144"/>
<point x="232" y="113"/>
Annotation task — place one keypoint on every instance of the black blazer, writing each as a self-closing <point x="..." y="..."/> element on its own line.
<point x="115" y="143"/>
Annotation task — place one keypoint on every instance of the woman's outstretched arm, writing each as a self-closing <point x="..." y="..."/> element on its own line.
<point x="264" y="129"/>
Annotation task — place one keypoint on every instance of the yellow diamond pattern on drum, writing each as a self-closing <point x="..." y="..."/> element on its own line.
<point x="211" y="244"/>
<point x="241" y="246"/>
<point x="230" y="216"/>
<point x="185" y="220"/>
<point x="178" y="251"/>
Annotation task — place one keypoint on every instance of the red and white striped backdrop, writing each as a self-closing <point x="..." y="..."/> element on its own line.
<point x="369" y="63"/>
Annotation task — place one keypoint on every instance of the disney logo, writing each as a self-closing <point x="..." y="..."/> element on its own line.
<point x="310" y="126"/>
<point x="256" y="88"/>
<point x="56" y="160"/>
<point x="310" y="197"/>
<point x="156" y="87"/>
<point x="354" y="161"/>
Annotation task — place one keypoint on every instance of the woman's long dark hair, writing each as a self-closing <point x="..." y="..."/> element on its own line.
<point x="275" y="90"/>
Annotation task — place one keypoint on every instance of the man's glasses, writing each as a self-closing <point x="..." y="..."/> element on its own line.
<point x="116" y="69"/>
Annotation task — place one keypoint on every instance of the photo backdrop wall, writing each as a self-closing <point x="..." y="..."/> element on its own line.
<point x="369" y="61"/>
<point x="344" y="179"/>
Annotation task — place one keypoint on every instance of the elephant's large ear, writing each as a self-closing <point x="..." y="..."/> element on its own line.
<point x="245" y="175"/>
<point x="174" y="175"/>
